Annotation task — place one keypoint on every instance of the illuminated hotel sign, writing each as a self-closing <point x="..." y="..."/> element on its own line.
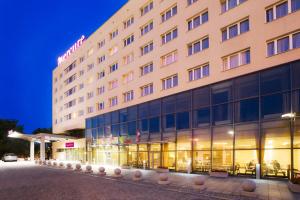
<point x="69" y="144"/>
<point x="71" y="50"/>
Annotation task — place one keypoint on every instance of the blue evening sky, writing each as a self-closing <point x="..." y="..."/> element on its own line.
<point x="33" y="33"/>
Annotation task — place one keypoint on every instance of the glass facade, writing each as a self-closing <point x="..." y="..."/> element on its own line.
<point x="231" y="125"/>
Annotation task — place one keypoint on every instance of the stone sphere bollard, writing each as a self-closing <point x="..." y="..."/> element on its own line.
<point x="163" y="179"/>
<point x="102" y="171"/>
<point x="54" y="164"/>
<point x="44" y="162"/>
<point x="78" y="167"/>
<point x="69" y="166"/>
<point x="249" y="186"/>
<point x="117" y="172"/>
<point x="88" y="169"/>
<point x="49" y="163"/>
<point x="61" y="165"/>
<point x="137" y="175"/>
<point x="199" y="182"/>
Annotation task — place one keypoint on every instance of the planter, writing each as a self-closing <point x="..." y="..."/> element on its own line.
<point x="218" y="174"/>
<point x="162" y="170"/>
<point x="294" y="187"/>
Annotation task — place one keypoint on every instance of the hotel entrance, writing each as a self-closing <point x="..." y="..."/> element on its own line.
<point x="155" y="156"/>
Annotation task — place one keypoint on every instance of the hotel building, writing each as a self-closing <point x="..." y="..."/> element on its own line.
<point x="200" y="84"/>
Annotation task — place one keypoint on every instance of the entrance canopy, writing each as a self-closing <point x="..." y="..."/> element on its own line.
<point x="41" y="138"/>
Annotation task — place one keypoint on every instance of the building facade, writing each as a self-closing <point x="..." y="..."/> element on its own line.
<point x="188" y="84"/>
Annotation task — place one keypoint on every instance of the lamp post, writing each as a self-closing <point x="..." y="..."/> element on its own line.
<point x="292" y="118"/>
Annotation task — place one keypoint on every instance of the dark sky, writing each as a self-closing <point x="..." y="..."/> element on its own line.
<point x="33" y="33"/>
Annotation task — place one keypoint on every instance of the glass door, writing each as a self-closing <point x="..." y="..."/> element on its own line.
<point x="154" y="160"/>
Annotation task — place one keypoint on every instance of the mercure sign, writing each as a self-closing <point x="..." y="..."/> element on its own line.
<point x="71" y="50"/>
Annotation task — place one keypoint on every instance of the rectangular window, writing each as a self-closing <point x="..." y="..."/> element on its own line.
<point x="128" y="77"/>
<point x="128" y="40"/>
<point x="100" y="106"/>
<point x="169" y="58"/>
<point x="147" y="90"/>
<point x="189" y="2"/>
<point x="235" y="30"/>
<point x="100" y="90"/>
<point x="169" y="13"/>
<point x="295" y="5"/>
<point x="128" y="22"/>
<point x="198" y="46"/>
<point x="113" y="101"/>
<point x="244" y="26"/>
<point x="147" y="48"/>
<point x="113" y="67"/>
<point x="101" y="59"/>
<point x="269" y="15"/>
<point x="128" y="58"/>
<point x="100" y="75"/>
<point x="199" y="72"/>
<point x="296" y="40"/>
<point x="114" y="34"/>
<point x="128" y="96"/>
<point x="271" y="49"/>
<point x="90" y="109"/>
<point x="146" y="8"/>
<point x="101" y="44"/>
<point x="229" y="4"/>
<point x="167" y="37"/>
<point x="170" y="82"/>
<point x="147" y="69"/>
<point x="113" y="84"/>
<point x="282" y="10"/>
<point x="70" y="68"/>
<point x="236" y="60"/>
<point x="283" y="45"/>
<point x="197" y="20"/>
<point x="147" y="28"/>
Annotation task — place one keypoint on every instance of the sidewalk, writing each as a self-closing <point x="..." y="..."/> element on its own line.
<point x="266" y="189"/>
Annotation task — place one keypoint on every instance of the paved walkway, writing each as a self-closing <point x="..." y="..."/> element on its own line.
<point x="229" y="188"/>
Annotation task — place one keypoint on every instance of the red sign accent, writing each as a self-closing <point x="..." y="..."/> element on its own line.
<point x="69" y="144"/>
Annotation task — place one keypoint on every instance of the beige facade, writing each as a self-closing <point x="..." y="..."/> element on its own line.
<point x="69" y="150"/>
<point x="70" y="112"/>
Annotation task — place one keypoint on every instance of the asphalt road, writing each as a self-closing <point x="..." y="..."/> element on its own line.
<point x="19" y="181"/>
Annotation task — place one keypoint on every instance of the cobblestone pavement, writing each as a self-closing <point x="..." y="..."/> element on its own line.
<point x="28" y="181"/>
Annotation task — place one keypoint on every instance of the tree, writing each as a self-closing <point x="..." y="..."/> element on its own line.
<point x="12" y="145"/>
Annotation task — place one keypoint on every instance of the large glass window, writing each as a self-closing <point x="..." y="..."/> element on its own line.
<point x="154" y="108"/>
<point x="131" y="128"/>
<point x="246" y="86"/>
<point x="296" y="40"/>
<point x="115" y="117"/>
<point x="115" y="130"/>
<point x="295" y="74"/>
<point x="201" y="97"/>
<point x="143" y="110"/>
<point x="123" y="115"/>
<point x="223" y="138"/>
<point x="132" y="113"/>
<point x="245" y="161"/>
<point x="296" y="101"/>
<point x="247" y="136"/>
<point x="144" y="126"/>
<point x="247" y="110"/>
<point x="221" y="93"/>
<point x="202" y="160"/>
<point x="275" y="80"/>
<point x="282" y="10"/>
<point x="202" y="139"/>
<point x="169" y="122"/>
<point x="183" y="101"/>
<point x="183" y="120"/>
<point x="169" y="104"/>
<point x="154" y="125"/>
<point x="222" y="114"/>
<point x="201" y="117"/>
<point x="297" y="134"/>
<point x="184" y="147"/>
<point x="275" y="105"/>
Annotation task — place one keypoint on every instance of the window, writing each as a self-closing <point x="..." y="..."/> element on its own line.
<point x="147" y="28"/>
<point x="170" y="82"/>
<point x="283" y="44"/>
<point x="128" y="96"/>
<point x="147" y="90"/>
<point x="90" y="109"/>
<point x="167" y="37"/>
<point x="169" y="58"/>
<point x="235" y="30"/>
<point x="70" y="68"/>
<point x="128" y="58"/>
<point x="198" y="46"/>
<point x="90" y="95"/>
<point x="113" y="101"/>
<point x="90" y="66"/>
<point x="81" y="86"/>
<point x="128" y="22"/>
<point x="146" y="69"/>
<point x="70" y="104"/>
<point x="236" y="60"/>
<point x="70" y="91"/>
<point x="100" y="106"/>
<point x="81" y="99"/>
<point x="128" y="77"/>
<point x="81" y="72"/>
<point x="229" y="4"/>
<point x="201" y="117"/>
<point x="146" y="8"/>
<point x="81" y="59"/>
<point x="128" y="40"/>
<point x="90" y="52"/>
<point x="70" y="79"/>
<point x="197" y="20"/>
<point x="100" y="90"/>
<point x="113" y="50"/>
<point x="199" y="72"/>
<point x="281" y="9"/>
<point x="68" y="117"/>
<point x="189" y="2"/>
<point x="183" y="120"/>
<point x="101" y="44"/>
<point x="113" y="84"/>
<point x="114" y="34"/>
<point x="101" y="59"/>
<point x="113" y="67"/>
<point x="100" y="75"/>
<point x="147" y="48"/>
<point x="169" y="13"/>
<point x="273" y="106"/>
<point x="247" y="110"/>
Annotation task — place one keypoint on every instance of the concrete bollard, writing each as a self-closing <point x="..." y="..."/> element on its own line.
<point x="137" y="175"/>
<point x="54" y="164"/>
<point x="102" y="171"/>
<point x="78" y="167"/>
<point x="49" y="163"/>
<point x="199" y="182"/>
<point x="163" y="179"/>
<point x="117" y="173"/>
<point x="249" y="186"/>
<point x="69" y="166"/>
<point x="44" y="162"/>
<point x="88" y="169"/>
<point x="61" y="165"/>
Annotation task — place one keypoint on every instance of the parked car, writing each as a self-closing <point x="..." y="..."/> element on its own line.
<point x="9" y="157"/>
